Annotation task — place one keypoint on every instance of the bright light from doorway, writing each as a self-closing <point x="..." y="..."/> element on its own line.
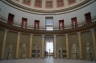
<point x="49" y="47"/>
<point x="49" y="28"/>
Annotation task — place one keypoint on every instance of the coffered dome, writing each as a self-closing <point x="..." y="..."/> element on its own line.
<point x="48" y="5"/>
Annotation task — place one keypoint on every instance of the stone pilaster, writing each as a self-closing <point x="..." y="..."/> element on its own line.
<point x="80" y="44"/>
<point x="17" y="45"/>
<point x="30" y="44"/>
<point x="43" y="47"/>
<point x="67" y="46"/>
<point x="94" y="41"/>
<point x="55" y="55"/>
<point x="4" y="44"/>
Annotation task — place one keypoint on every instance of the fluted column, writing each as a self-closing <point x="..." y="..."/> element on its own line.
<point x="4" y="44"/>
<point x="94" y="41"/>
<point x="30" y="44"/>
<point x="80" y="44"/>
<point x="17" y="45"/>
<point x="43" y="48"/>
<point x="67" y="45"/>
<point x="55" y="55"/>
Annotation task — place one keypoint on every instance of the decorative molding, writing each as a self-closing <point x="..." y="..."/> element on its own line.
<point x="53" y="12"/>
<point x="19" y="29"/>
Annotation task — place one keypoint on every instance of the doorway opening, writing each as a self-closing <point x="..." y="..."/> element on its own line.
<point x="49" y="47"/>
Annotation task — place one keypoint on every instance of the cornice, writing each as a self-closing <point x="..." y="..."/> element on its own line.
<point x="53" y="12"/>
<point x="19" y="29"/>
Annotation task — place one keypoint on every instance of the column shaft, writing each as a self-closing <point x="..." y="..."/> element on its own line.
<point x="80" y="45"/>
<point x="55" y="55"/>
<point x="94" y="41"/>
<point x="30" y="44"/>
<point x="4" y="44"/>
<point x="43" y="48"/>
<point x="67" y="45"/>
<point x="17" y="45"/>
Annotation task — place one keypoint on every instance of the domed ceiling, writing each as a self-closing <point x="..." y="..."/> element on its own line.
<point x="48" y="5"/>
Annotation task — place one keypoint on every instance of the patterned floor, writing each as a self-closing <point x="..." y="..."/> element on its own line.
<point x="45" y="60"/>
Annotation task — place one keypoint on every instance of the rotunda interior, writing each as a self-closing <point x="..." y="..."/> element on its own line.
<point x="58" y="29"/>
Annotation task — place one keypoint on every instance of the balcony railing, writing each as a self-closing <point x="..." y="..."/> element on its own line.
<point x="83" y="23"/>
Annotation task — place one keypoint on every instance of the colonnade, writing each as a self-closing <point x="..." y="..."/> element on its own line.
<point x="43" y="44"/>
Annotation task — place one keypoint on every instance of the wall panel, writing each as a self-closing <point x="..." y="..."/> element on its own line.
<point x="24" y="45"/>
<point x="87" y="45"/>
<point x="10" y="49"/>
<point x="73" y="46"/>
<point x="36" y="45"/>
<point x="61" y="45"/>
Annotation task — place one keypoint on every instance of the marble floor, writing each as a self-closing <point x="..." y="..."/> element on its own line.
<point x="45" y="60"/>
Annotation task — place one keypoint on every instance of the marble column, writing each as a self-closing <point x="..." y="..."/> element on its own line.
<point x="43" y="47"/>
<point x="4" y="44"/>
<point x="80" y="45"/>
<point x="94" y="41"/>
<point x="17" y="45"/>
<point x="55" y="55"/>
<point x="30" y="44"/>
<point x="67" y="45"/>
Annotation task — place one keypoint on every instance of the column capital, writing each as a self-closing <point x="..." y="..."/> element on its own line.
<point x="55" y="36"/>
<point x="92" y="30"/>
<point x="78" y="32"/>
<point x="43" y="35"/>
